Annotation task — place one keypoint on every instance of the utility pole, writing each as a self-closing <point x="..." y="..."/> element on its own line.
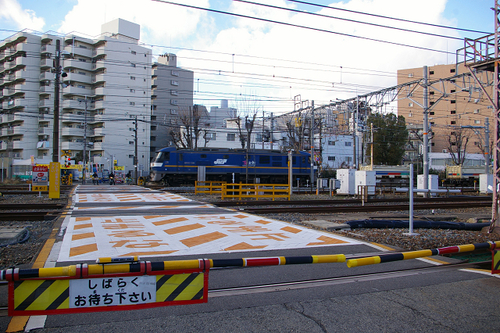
<point x="425" y="156"/>
<point x="371" y="141"/>
<point x="354" y="123"/>
<point x="487" y="145"/>
<point x="55" y="132"/>
<point x="262" y="129"/>
<point x="136" y="160"/>
<point x="311" y="138"/>
<point x="84" y="170"/>
<point x="272" y="130"/>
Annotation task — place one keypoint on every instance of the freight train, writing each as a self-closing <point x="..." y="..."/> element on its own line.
<point x="174" y="167"/>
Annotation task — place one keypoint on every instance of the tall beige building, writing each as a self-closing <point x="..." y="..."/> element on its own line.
<point x="105" y="87"/>
<point x="458" y="108"/>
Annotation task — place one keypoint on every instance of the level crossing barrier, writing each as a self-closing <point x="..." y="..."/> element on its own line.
<point x="255" y="191"/>
<point x="208" y="187"/>
<point x="127" y="283"/>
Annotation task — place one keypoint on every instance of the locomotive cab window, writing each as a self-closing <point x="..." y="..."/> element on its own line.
<point x="181" y="157"/>
<point x="162" y="157"/>
<point x="264" y="160"/>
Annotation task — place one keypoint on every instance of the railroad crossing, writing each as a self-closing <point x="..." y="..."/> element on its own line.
<point x="122" y="221"/>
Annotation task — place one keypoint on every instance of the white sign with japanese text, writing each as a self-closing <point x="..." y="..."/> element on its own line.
<point x="111" y="291"/>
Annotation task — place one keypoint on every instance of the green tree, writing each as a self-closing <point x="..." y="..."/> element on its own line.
<point x="389" y="138"/>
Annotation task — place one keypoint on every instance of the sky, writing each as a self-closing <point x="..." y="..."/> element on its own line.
<point x="269" y="57"/>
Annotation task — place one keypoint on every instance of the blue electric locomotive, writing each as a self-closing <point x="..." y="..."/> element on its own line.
<point x="174" y="166"/>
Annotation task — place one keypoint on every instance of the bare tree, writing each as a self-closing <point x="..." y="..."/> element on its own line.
<point x="457" y="144"/>
<point x="295" y="131"/>
<point x="186" y="134"/>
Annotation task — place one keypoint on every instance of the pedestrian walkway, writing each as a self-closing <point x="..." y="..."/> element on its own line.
<point x="118" y="221"/>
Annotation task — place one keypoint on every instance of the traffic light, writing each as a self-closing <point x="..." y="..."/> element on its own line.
<point x="67" y="161"/>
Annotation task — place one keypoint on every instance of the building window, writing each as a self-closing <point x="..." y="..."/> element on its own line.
<point x="173" y="102"/>
<point x="174" y="82"/>
<point x="410" y="104"/>
<point x="153" y="138"/>
<point x="431" y="72"/>
<point x="348" y="144"/>
<point x="331" y="143"/>
<point x="175" y="73"/>
<point x="173" y="111"/>
<point x="132" y="77"/>
<point x="410" y="74"/>
<point x="132" y="65"/>
<point x="477" y="121"/>
<point x="453" y="112"/>
<point x="431" y="113"/>
<point x="231" y="137"/>
<point x="174" y="93"/>
<point x="131" y="142"/>
<point x="453" y="101"/>
<point x="453" y="122"/>
<point x="452" y="70"/>
<point x="132" y="103"/>
<point x="132" y="90"/>
<point x="331" y="158"/>
<point x="153" y="107"/>
<point x="153" y="128"/>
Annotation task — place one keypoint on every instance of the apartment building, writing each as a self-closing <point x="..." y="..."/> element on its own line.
<point x="105" y="97"/>
<point x="172" y="98"/>
<point x="459" y="110"/>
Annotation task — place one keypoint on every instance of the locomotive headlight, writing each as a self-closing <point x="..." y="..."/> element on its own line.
<point x="156" y="164"/>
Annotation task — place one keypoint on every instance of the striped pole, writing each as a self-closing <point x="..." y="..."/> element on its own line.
<point x="114" y="266"/>
<point x="418" y="254"/>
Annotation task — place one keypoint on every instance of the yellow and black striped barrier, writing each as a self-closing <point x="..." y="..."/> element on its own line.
<point x="419" y="254"/>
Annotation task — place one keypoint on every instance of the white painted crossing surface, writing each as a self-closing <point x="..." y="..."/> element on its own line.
<point x="88" y="237"/>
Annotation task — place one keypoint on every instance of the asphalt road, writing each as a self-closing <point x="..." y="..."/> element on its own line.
<point x="391" y="297"/>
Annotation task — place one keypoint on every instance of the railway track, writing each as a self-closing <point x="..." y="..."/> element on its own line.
<point x="349" y="201"/>
<point x="366" y="208"/>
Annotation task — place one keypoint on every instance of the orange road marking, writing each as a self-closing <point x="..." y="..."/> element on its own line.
<point x="291" y="229"/>
<point x="179" y="219"/>
<point x="202" y="239"/>
<point x="262" y="222"/>
<point x="82" y="236"/>
<point x="82" y="226"/>
<point x="152" y="216"/>
<point x="80" y="219"/>
<point x="130" y="254"/>
<point x="184" y="228"/>
<point x="75" y="251"/>
<point x="327" y="240"/>
<point x="244" y="246"/>
<point x="241" y="216"/>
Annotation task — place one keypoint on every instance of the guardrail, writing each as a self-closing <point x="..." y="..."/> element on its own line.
<point x="208" y="187"/>
<point x="255" y="191"/>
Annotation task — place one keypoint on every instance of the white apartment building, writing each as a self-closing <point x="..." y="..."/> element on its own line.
<point x="105" y="87"/>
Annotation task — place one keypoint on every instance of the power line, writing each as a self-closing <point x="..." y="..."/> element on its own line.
<point x="304" y="27"/>
<point x="389" y="18"/>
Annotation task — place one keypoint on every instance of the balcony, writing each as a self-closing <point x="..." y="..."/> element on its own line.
<point x="44" y="90"/>
<point x="70" y="90"/>
<point x="3" y="145"/>
<point x="46" y="103"/>
<point x="100" y="91"/>
<point x="75" y="63"/>
<point x="98" y="78"/>
<point x="14" y="103"/>
<point x="44" y="63"/>
<point x="44" y="131"/>
<point x="98" y="146"/>
<point x="15" y="130"/>
<point x="12" y="91"/>
<point x="67" y="145"/>
<point x="98" y="105"/>
<point x="73" y="104"/>
<point x="79" y="51"/>
<point x="72" y="131"/>
<point x="99" y="51"/>
<point x="43" y="145"/>
<point x="78" y="78"/>
<point x="99" y="118"/>
<point x="46" y="76"/>
<point x="99" y="131"/>
<point x="47" y="48"/>
<point x="99" y="64"/>
<point x="15" y="145"/>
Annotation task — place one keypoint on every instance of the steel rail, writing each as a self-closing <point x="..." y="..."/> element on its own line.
<point x="365" y="208"/>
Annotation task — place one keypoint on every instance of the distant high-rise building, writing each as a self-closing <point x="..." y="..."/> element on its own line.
<point x="172" y="99"/>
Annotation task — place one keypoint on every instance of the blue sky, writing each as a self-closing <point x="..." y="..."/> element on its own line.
<point x="268" y="64"/>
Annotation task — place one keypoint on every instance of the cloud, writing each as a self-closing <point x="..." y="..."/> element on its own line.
<point x="13" y="13"/>
<point x="281" y="62"/>
<point x="160" y="23"/>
